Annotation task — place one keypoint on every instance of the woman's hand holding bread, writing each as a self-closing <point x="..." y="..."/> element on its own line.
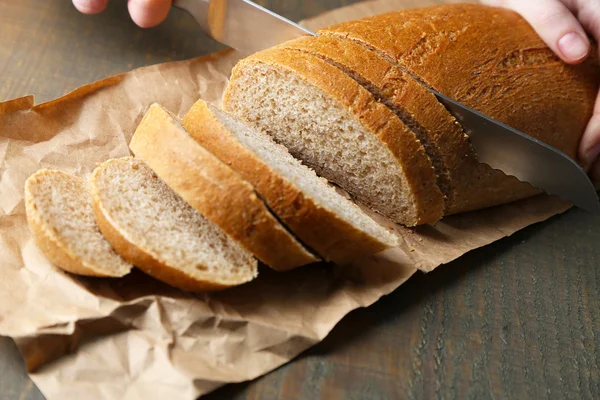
<point x="565" y="25"/>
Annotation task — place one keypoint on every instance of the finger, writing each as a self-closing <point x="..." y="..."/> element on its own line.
<point x="148" y="13"/>
<point x="588" y="13"/>
<point x="595" y="172"/>
<point x="589" y="146"/>
<point x="556" y="25"/>
<point x="90" y="6"/>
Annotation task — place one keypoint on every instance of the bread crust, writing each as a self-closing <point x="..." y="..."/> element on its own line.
<point x="49" y="242"/>
<point x="322" y="230"/>
<point x="214" y="190"/>
<point x="490" y="59"/>
<point x="469" y="184"/>
<point x="375" y="117"/>
<point x="143" y="258"/>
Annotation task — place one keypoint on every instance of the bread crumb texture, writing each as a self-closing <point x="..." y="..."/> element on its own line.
<point x="60" y="215"/>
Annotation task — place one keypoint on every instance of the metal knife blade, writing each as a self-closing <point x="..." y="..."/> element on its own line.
<point x="524" y="157"/>
<point x="242" y="24"/>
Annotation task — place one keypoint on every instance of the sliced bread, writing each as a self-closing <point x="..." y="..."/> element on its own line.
<point x="465" y="182"/>
<point x="323" y="219"/>
<point x="60" y="216"/>
<point x="335" y="126"/>
<point x="153" y="228"/>
<point x="402" y="94"/>
<point x="215" y="190"/>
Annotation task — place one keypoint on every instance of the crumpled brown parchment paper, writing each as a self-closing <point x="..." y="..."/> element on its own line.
<point x="136" y="338"/>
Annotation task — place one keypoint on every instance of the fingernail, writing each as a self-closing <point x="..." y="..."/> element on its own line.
<point x="83" y="5"/>
<point x="574" y="46"/>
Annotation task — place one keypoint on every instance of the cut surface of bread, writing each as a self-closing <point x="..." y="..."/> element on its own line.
<point x="397" y="90"/>
<point x="60" y="216"/>
<point x="336" y="127"/>
<point x="158" y="232"/>
<point x="323" y="219"/>
<point x="465" y="182"/>
<point x="215" y="190"/>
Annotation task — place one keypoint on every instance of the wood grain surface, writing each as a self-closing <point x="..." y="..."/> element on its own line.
<point x="517" y="319"/>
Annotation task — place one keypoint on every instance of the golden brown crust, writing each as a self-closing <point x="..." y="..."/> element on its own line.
<point x="322" y="230"/>
<point x="215" y="190"/>
<point x="489" y="59"/>
<point x="48" y="241"/>
<point x="468" y="184"/>
<point x="419" y="173"/>
<point x="142" y="258"/>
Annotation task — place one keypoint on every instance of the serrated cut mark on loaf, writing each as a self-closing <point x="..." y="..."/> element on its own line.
<point x="373" y="49"/>
<point x="156" y="230"/>
<point x="384" y="95"/>
<point x="60" y="215"/>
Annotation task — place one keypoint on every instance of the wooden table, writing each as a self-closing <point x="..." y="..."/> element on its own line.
<point x="517" y="319"/>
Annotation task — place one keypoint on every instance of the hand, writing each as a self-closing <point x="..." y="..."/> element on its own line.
<point x="145" y="13"/>
<point x="564" y="25"/>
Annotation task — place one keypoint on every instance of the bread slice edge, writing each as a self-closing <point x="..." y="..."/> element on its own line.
<point x="48" y="241"/>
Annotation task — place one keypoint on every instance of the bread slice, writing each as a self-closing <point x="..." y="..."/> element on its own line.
<point x="326" y="221"/>
<point x="465" y="182"/>
<point x="511" y="75"/>
<point x="402" y="94"/>
<point x="215" y="190"/>
<point x="338" y="128"/>
<point x="157" y="231"/>
<point x="60" y="216"/>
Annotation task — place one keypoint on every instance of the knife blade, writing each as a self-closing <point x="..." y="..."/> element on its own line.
<point x="524" y="157"/>
<point x="242" y="24"/>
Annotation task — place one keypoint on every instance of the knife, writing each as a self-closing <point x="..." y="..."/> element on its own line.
<point x="524" y="157"/>
<point x="249" y="28"/>
<point x="242" y="24"/>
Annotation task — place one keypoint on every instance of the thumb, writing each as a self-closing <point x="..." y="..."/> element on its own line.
<point x="589" y="146"/>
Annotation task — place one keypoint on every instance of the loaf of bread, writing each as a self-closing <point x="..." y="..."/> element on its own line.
<point x="59" y="213"/>
<point x="488" y="58"/>
<point x="492" y="60"/>
<point x="207" y="195"/>
<point x="215" y="190"/>
<point x="327" y="222"/>
<point x="153" y="228"/>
